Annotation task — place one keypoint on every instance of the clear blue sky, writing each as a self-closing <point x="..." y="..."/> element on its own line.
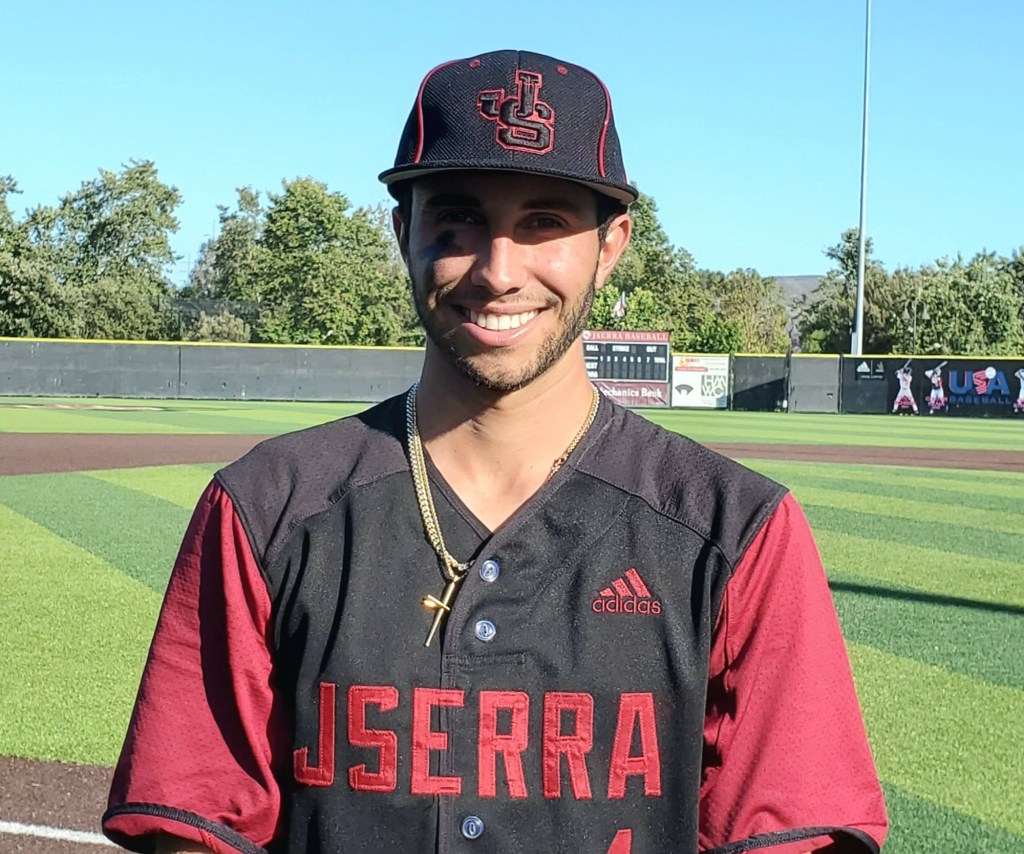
<point x="742" y="119"/>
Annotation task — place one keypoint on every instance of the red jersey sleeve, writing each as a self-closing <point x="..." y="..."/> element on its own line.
<point x="787" y="762"/>
<point x="206" y="743"/>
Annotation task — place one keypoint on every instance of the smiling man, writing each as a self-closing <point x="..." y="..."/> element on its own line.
<point x="498" y="612"/>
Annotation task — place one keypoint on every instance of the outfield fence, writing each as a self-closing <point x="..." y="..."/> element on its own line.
<point x="32" y="368"/>
<point x="935" y="385"/>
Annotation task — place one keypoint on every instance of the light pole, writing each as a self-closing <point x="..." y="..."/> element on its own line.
<point x="857" y="344"/>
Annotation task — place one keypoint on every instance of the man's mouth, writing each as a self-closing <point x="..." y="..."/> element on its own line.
<point x="500" y="322"/>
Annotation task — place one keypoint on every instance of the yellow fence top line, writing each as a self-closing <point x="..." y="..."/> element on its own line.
<point x="405" y="348"/>
<point x="208" y="344"/>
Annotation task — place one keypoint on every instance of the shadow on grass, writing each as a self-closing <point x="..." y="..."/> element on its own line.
<point x="927" y="598"/>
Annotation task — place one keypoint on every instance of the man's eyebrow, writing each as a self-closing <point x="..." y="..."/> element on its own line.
<point x="450" y="200"/>
<point x="553" y="203"/>
<point x="465" y="200"/>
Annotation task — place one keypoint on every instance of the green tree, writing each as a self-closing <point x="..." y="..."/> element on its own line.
<point x="643" y="310"/>
<point x="1014" y="268"/>
<point x="971" y="308"/>
<point x="681" y="306"/>
<point x="754" y="306"/>
<point x="825" y="318"/>
<point x="223" y="326"/>
<point x="119" y="225"/>
<point x="315" y="271"/>
<point x="717" y="334"/>
<point x="912" y="321"/>
<point x="106" y="249"/>
<point x="32" y="304"/>
<point x="227" y="264"/>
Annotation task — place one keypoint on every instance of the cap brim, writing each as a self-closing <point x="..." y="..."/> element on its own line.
<point x="622" y="193"/>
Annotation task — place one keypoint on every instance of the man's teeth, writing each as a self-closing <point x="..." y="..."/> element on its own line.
<point x="498" y="322"/>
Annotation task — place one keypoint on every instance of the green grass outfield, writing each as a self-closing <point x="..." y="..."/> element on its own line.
<point x="89" y="415"/>
<point x="925" y="564"/>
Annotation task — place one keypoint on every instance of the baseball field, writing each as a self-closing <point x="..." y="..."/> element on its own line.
<point x="920" y="522"/>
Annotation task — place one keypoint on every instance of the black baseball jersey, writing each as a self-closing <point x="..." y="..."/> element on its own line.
<point x="644" y="658"/>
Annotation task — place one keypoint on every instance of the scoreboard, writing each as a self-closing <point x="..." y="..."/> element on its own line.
<point x="633" y="368"/>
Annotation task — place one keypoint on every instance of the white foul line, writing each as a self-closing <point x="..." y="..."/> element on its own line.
<point x="60" y="833"/>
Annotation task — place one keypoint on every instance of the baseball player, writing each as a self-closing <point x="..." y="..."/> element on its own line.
<point x="905" y="397"/>
<point x="937" y="395"/>
<point x="1018" y="404"/>
<point x="498" y="613"/>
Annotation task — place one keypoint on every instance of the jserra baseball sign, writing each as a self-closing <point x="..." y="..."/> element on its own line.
<point x="630" y="367"/>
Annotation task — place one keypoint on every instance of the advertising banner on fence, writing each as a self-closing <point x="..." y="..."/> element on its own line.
<point x="630" y="367"/>
<point x="635" y="394"/>
<point x="700" y="382"/>
<point x="955" y="386"/>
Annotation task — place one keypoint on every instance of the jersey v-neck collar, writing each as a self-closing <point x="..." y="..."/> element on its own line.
<point x="535" y="501"/>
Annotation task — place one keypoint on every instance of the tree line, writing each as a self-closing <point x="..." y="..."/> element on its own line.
<point x="302" y="266"/>
<point x="954" y="306"/>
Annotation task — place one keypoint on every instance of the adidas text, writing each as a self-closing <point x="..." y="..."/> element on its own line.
<point x="626" y="606"/>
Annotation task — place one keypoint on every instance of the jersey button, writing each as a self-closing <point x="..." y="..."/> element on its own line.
<point x="485" y="630"/>
<point x="490" y="570"/>
<point x="472" y="827"/>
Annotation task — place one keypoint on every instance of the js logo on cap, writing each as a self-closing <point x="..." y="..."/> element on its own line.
<point x="525" y="123"/>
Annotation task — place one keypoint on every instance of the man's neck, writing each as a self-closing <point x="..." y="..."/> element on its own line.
<point x="495" y="450"/>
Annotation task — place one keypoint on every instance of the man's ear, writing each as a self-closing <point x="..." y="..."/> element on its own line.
<point x="616" y="240"/>
<point x="401" y="232"/>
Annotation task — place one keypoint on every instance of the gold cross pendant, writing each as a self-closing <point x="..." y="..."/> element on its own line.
<point x="441" y="606"/>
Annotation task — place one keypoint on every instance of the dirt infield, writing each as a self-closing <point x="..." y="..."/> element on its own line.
<point x="51" y="794"/>
<point x="39" y="453"/>
<point x="72" y="797"/>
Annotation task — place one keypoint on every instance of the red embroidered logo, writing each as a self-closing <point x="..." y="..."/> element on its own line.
<point x="525" y="122"/>
<point x="627" y="595"/>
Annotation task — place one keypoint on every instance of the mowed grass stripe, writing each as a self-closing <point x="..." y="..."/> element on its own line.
<point x="978" y="492"/>
<point x="887" y="473"/>
<point x="254" y="418"/>
<point x="706" y="426"/>
<point x="916" y="825"/>
<point x="214" y="405"/>
<point x="74" y="633"/>
<point x="296" y="413"/>
<point x="172" y="416"/>
<point x="77" y="421"/>
<point x="952" y="538"/>
<point x="923" y="568"/>
<point x="192" y="421"/>
<point x="928" y="511"/>
<point x="180" y="485"/>
<point x="860" y="430"/>
<point x="135" y="533"/>
<point x="959" y="635"/>
<point x="943" y="736"/>
<point x="972" y="497"/>
<point x="178" y="417"/>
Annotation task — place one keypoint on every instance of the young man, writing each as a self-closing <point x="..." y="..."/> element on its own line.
<point x="498" y="613"/>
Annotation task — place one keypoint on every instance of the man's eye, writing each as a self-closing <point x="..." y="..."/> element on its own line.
<point x="457" y="216"/>
<point x="546" y="221"/>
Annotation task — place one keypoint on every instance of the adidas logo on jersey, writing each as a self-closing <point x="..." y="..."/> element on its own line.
<point x="626" y="595"/>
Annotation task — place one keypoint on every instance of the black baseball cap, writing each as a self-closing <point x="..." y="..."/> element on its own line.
<point x="514" y="111"/>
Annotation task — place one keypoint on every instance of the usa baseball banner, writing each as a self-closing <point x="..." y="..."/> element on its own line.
<point x="700" y="382"/>
<point x="631" y="367"/>
<point x="940" y="386"/>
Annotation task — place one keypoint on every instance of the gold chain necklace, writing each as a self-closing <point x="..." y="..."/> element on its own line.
<point x="453" y="570"/>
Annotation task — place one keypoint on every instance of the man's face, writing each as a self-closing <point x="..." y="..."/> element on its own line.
<point x="504" y="267"/>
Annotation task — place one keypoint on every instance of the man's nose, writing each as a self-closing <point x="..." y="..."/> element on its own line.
<point x="500" y="267"/>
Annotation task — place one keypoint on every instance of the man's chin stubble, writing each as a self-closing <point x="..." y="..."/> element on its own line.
<point x="503" y="382"/>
